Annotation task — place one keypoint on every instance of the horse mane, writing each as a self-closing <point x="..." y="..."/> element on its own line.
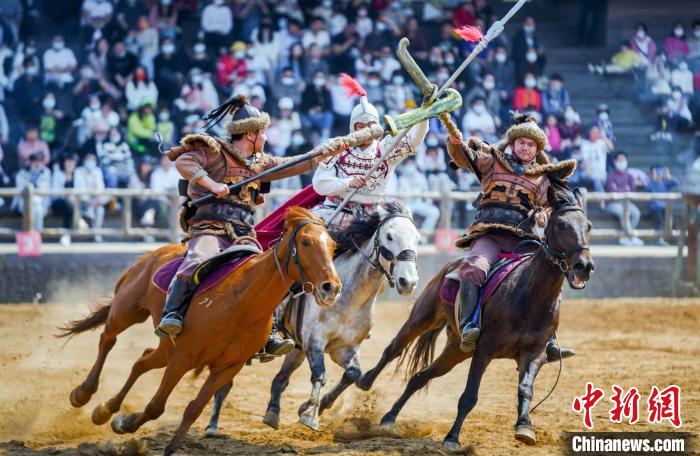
<point x="361" y="231"/>
<point x="296" y="215"/>
<point x="561" y="195"/>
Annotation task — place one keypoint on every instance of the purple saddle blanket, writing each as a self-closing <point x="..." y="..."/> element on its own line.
<point x="450" y="287"/>
<point x="161" y="279"/>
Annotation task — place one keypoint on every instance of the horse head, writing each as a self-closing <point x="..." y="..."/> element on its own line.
<point x="396" y="240"/>
<point x="566" y="235"/>
<point x="306" y="252"/>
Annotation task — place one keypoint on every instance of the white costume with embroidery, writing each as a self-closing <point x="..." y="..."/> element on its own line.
<point x="333" y="175"/>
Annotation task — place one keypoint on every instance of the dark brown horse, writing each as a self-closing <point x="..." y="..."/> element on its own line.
<point x="224" y="328"/>
<point x="517" y="321"/>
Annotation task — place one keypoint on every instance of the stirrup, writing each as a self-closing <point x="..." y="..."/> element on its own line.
<point x="470" y="334"/>
<point x="170" y="325"/>
<point x="277" y="346"/>
<point x="553" y="350"/>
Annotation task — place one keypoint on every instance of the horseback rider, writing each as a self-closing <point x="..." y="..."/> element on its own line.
<point x="337" y="176"/>
<point x="210" y="164"/>
<point x="514" y="177"/>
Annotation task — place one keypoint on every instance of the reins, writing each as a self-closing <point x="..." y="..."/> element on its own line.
<point x="293" y="254"/>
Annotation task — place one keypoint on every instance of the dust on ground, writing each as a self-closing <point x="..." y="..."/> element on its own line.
<point x="627" y="342"/>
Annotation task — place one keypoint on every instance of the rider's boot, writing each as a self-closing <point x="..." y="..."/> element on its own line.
<point x="175" y="308"/>
<point x="277" y="346"/>
<point x="553" y="351"/>
<point x="468" y="299"/>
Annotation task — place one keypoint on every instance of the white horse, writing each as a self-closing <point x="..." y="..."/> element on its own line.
<point x="380" y="249"/>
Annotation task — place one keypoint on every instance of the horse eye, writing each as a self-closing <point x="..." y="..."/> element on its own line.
<point x="389" y="237"/>
<point x="589" y="226"/>
<point x="304" y="243"/>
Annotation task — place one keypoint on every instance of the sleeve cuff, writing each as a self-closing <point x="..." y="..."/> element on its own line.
<point x="198" y="175"/>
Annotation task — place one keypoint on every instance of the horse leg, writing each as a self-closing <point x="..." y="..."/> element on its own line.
<point x="132" y="422"/>
<point x="451" y="356"/>
<point x="528" y="366"/>
<point x="212" y="428"/>
<point x="349" y="360"/>
<point x="214" y="382"/>
<point x="292" y="361"/>
<point x="470" y="395"/>
<point x="82" y="393"/>
<point x="308" y="412"/>
<point x="423" y="317"/>
<point x="151" y="359"/>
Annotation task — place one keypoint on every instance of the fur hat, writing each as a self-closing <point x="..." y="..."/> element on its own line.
<point x="245" y="117"/>
<point x="525" y="126"/>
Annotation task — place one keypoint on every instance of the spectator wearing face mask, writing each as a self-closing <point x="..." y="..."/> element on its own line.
<point x="478" y="118"/>
<point x="116" y="161"/>
<point x="556" y="97"/>
<point x="88" y="85"/>
<point x="232" y="65"/>
<point x="344" y="48"/>
<point x="397" y="93"/>
<point x="643" y="45"/>
<point x="317" y="35"/>
<point x="164" y="178"/>
<point x="200" y="59"/>
<point x="317" y="107"/>
<point x="533" y="63"/>
<point x="259" y="66"/>
<point x="140" y="87"/>
<point x="59" y="63"/>
<point x="410" y="182"/>
<point x="503" y="71"/>
<point x="249" y="87"/>
<point x="288" y="87"/>
<point x="63" y="177"/>
<point x="148" y="43"/>
<point x="527" y="97"/>
<point x="375" y="91"/>
<point x="675" y="45"/>
<point x="32" y="146"/>
<point x="603" y="122"/>
<point x="99" y="136"/>
<point x="365" y="25"/>
<point x="88" y="177"/>
<point x="679" y="115"/>
<point x="554" y="139"/>
<point x="121" y="64"/>
<point x="52" y="121"/>
<point x="388" y="64"/>
<point x="380" y="37"/>
<point x="217" y="24"/>
<point x="594" y="155"/>
<point x="141" y="125"/>
<point x="620" y="180"/>
<point x="38" y="175"/>
<point x="29" y="87"/>
<point x="169" y="69"/>
<point x="166" y="128"/>
<point x="524" y="42"/>
<point x="488" y="91"/>
<point x="163" y="16"/>
<point x="280" y="137"/>
<point x="682" y="78"/>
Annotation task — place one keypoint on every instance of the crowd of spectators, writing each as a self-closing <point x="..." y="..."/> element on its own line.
<point x="89" y="89"/>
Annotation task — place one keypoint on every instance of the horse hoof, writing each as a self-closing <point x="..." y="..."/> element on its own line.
<point x="212" y="433"/>
<point x="387" y="422"/>
<point x="101" y="414"/>
<point x="364" y="383"/>
<point x="309" y="422"/>
<point x="272" y="419"/>
<point x="78" y="398"/>
<point x="118" y="424"/>
<point x="525" y="434"/>
<point x="451" y="445"/>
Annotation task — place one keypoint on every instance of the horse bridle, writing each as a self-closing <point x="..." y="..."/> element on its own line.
<point x="379" y="250"/>
<point x="557" y="257"/>
<point x="293" y="254"/>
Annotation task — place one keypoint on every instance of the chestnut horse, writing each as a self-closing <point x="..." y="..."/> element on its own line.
<point x="221" y="335"/>
<point x="517" y="321"/>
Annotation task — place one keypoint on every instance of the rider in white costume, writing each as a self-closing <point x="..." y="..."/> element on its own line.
<point x="337" y="176"/>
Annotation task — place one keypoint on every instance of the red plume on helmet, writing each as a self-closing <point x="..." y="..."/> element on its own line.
<point x="352" y="86"/>
<point x="469" y="33"/>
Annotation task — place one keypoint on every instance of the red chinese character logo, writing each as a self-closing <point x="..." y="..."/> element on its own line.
<point x="665" y="405"/>
<point x="586" y="402"/>
<point x="625" y="406"/>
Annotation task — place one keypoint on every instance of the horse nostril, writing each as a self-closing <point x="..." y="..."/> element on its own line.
<point x="403" y="283"/>
<point x="327" y="287"/>
<point x="590" y="267"/>
<point x="579" y="266"/>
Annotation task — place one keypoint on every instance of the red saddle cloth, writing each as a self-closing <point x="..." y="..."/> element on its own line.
<point x="450" y="287"/>
<point x="161" y="279"/>
<point x="267" y="230"/>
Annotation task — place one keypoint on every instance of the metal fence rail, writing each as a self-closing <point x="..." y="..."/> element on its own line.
<point x="445" y="200"/>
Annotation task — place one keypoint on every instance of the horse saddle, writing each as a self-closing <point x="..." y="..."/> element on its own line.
<point x="498" y="273"/>
<point x="211" y="272"/>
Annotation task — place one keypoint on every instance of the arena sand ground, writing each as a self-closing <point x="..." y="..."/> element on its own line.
<point x="625" y="342"/>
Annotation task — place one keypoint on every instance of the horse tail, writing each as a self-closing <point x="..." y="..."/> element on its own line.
<point x="97" y="317"/>
<point x="421" y="353"/>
